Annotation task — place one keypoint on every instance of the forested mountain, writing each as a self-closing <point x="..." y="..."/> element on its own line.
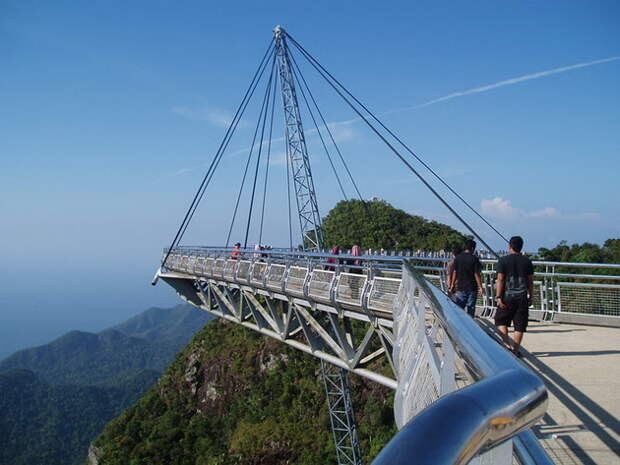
<point x="146" y="341"/>
<point x="169" y="324"/>
<point x="236" y="397"/>
<point x="54" y="399"/>
<point x="86" y="358"/>
<point x="377" y="224"/>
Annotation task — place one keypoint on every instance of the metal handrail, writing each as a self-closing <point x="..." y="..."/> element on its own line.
<point x="505" y="400"/>
<point x="434" y="267"/>
<point x="396" y="259"/>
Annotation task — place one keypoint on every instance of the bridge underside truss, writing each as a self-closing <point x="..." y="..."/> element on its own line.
<point x="358" y="342"/>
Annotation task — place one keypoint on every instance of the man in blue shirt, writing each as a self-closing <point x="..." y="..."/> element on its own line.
<point x="514" y="289"/>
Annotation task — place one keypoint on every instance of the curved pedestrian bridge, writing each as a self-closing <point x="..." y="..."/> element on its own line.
<point x="386" y="318"/>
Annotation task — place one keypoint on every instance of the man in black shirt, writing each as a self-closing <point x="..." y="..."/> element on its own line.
<point x="514" y="288"/>
<point x="465" y="278"/>
<point x="456" y="251"/>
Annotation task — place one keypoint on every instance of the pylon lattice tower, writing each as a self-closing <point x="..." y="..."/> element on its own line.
<point x="336" y="379"/>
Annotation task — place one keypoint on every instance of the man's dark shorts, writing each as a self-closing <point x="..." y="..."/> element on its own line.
<point x="516" y="312"/>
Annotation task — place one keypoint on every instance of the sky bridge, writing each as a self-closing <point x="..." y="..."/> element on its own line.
<point x="460" y="397"/>
<point x="309" y="303"/>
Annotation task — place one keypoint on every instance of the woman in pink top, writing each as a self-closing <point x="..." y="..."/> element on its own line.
<point x="357" y="252"/>
<point x="335" y="251"/>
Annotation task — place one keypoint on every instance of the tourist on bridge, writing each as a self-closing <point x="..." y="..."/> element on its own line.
<point x="355" y="264"/>
<point x="236" y="251"/>
<point x="465" y="278"/>
<point x="335" y="251"/>
<point x="514" y="288"/>
<point x="257" y="251"/>
<point x="450" y="268"/>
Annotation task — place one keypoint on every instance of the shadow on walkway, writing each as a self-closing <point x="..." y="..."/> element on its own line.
<point x="594" y="417"/>
<point x="561" y="354"/>
<point x="552" y="431"/>
<point x="554" y="330"/>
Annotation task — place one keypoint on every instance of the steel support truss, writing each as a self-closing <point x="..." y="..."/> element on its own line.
<point x="325" y="334"/>
<point x="341" y="414"/>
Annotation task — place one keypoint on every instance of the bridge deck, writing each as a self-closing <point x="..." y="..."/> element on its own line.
<point x="581" y="368"/>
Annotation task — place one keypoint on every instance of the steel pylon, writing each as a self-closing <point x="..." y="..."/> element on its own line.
<point x="296" y="150"/>
<point x="336" y="380"/>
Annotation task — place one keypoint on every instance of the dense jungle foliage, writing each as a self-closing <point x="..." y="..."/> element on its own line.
<point x="377" y="224"/>
<point x="586" y="252"/>
<point x="44" y="424"/>
<point x="236" y="397"/>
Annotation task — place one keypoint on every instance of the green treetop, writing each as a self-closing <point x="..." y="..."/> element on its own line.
<point x="377" y="224"/>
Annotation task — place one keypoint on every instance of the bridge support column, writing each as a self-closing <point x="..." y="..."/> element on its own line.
<point x="341" y="414"/>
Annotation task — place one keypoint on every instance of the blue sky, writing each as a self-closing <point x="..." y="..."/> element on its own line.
<point x="111" y="110"/>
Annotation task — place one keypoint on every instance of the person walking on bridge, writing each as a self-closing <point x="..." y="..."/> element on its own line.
<point x="514" y="290"/>
<point x="465" y="278"/>
<point x="236" y="251"/>
<point x="456" y="251"/>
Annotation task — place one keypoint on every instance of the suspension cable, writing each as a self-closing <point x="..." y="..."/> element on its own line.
<point x="247" y="164"/>
<point x="396" y="152"/>
<point x="326" y="126"/>
<point x="346" y="167"/>
<point x="260" y="151"/>
<point x="316" y="126"/>
<point x="221" y="154"/>
<point x="231" y="129"/>
<point x="364" y="202"/>
<point x="273" y="105"/>
<point x="315" y="62"/>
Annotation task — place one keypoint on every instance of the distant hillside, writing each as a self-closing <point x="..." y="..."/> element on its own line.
<point x="233" y="396"/>
<point x="45" y="424"/>
<point x="170" y="324"/>
<point x="54" y="399"/>
<point x="147" y="341"/>
<point x="85" y="358"/>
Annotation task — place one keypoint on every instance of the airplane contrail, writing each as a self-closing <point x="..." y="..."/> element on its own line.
<point x="509" y="82"/>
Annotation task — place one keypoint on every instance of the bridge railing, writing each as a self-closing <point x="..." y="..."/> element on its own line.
<point x="563" y="291"/>
<point x="438" y="350"/>
<point x="369" y="282"/>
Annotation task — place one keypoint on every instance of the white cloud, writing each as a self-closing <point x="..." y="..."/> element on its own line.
<point x="547" y="212"/>
<point x="219" y="118"/>
<point x="184" y="111"/>
<point x="182" y="171"/>
<point x="342" y="133"/>
<point x="498" y="208"/>
<point x="278" y="159"/>
<point x="502" y="209"/>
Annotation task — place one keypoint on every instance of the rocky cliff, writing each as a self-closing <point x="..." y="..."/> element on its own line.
<point x="235" y="397"/>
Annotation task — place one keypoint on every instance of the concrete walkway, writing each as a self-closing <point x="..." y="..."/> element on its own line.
<point x="581" y="368"/>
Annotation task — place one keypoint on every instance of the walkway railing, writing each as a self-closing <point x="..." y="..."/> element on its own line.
<point x="440" y="349"/>
<point x="563" y="291"/>
<point x="370" y="286"/>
